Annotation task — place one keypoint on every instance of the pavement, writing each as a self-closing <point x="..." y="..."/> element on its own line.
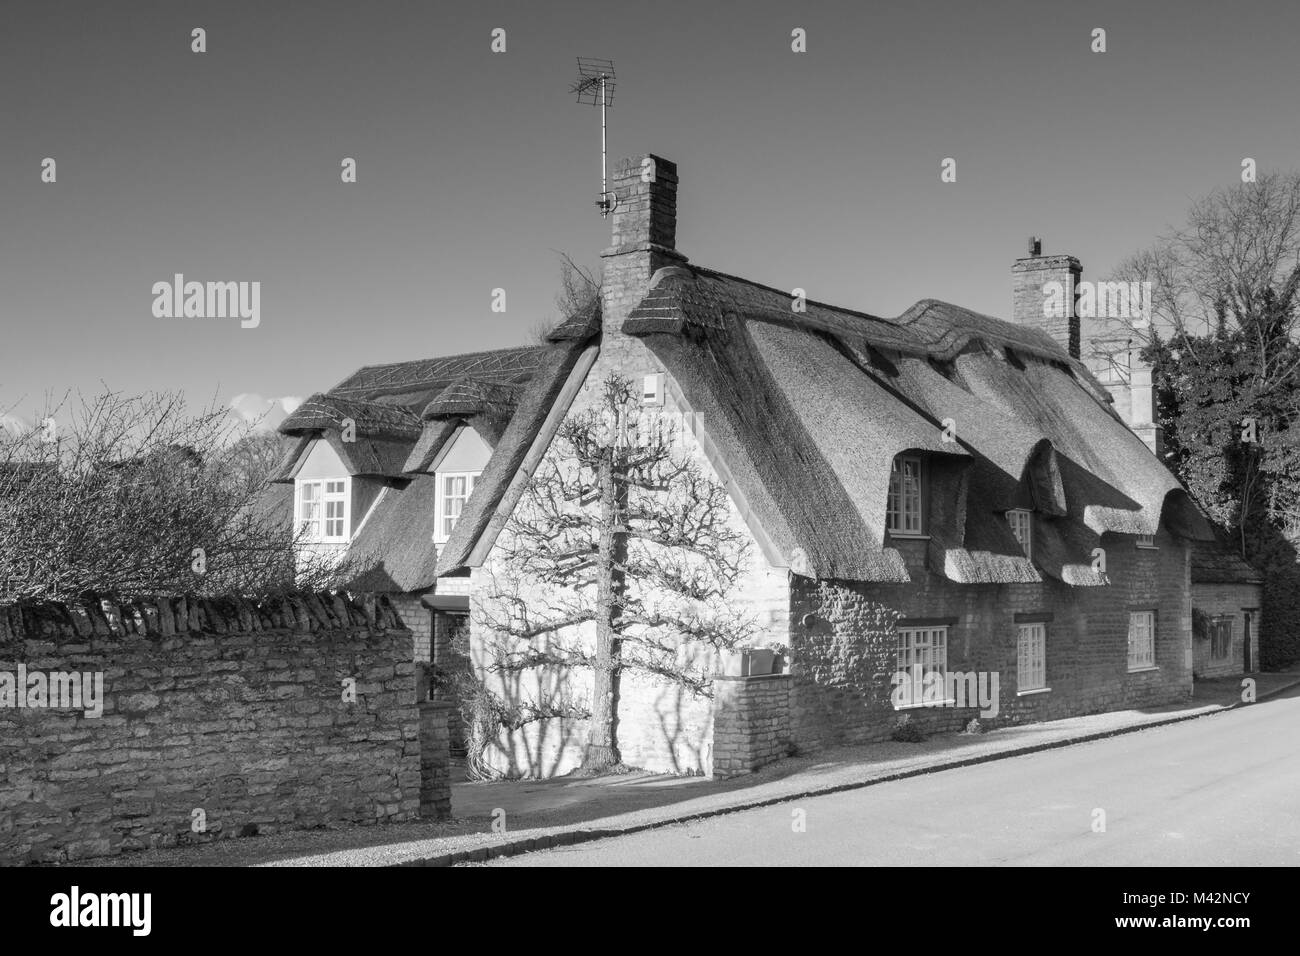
<point x="507" y="818"/>
<point x="1219" y="792"/>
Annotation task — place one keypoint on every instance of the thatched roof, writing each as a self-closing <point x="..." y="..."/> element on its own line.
<point x="806" y="410"/>
<point x="394" y="550"/>
<point x="404" y="414"/>
<point x="328" y="411"/>
<point x="471" y="396"/>
<point x="804" y="413"/>
<point x="432" y="440"/>
<point x="577" y="328"/>
<point x="498" y="489"/>
<point x="487" y="407"/>
<point x="415" y="384"/>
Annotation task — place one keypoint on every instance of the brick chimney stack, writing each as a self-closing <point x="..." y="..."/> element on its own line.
<point x="644" y="237"/>
<point x="1031" y="296"/>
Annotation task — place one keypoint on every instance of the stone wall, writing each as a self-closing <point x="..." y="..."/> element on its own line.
<point x="448" y="657"/>
<point x="751" y="722"/>
<point x="843" y="643"/>
<point x="1228" y="600"/>
<point x="435" y="762"/>
<point x="416" y="618"/>
<point x="220" y="718"/>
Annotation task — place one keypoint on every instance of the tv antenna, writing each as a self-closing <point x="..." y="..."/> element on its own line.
<point x="595" y="85"/>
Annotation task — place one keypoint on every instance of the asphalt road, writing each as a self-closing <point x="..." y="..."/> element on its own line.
<point x="1221" y="790"/>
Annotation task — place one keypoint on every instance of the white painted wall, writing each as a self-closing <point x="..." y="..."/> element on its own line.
<point x="321" y="461"/>
<point x="465" y="452"/>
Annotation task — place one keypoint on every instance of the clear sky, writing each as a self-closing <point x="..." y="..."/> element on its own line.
<point x="818" y="170"/>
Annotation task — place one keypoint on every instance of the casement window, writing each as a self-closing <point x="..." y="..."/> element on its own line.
<point x="454" y="489"/>
<point x="1022" y="526"/>
<point x="1141" y="640"/>
<point x="905" y="506"/>
<point x="922" y="651"/>
<point x="1220" y="638"/>
<point x="323" y="510"/>
<point x="1031" y="658"/>
<point x="1146" y="541"/>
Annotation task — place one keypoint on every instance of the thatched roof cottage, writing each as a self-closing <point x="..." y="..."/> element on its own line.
<point x="941" y="489"/>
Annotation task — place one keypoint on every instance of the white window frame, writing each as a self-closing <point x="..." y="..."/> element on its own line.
<point x="1146" y="541"/>
<point x="1022" y="526"/>
<point x="1031" y="658"/>
<point x="926" y="645"/>
<point x="333" y="495"/>
<point x="905" y="518"/>
<point x="1141" y="641"/>
<point x="442" y="530"/>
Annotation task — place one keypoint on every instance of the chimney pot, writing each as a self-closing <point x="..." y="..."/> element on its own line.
<point x="1035" y="246"/>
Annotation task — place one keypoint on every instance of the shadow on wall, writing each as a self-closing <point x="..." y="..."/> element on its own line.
<point x="686" y="753"/>
<point x="534" y="722"/>
<point x="543" y="746"/>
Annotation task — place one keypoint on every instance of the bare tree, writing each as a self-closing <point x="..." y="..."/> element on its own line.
<point x="135" y="494"/>
<point x="1239" y="250"/>
<point x="621" y="556"/>
<point x="579" y="297"/>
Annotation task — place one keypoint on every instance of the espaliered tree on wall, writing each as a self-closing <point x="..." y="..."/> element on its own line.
<point x="621" y="556"/>
<point x="1224" y="343"/>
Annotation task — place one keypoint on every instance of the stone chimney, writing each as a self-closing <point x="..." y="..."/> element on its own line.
<point x="1142" y="404"/>
<point x="644" y="239"/>
<point x="1035" y="301"/>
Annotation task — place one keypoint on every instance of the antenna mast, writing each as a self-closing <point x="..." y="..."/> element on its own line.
<point x="595" y="85"/>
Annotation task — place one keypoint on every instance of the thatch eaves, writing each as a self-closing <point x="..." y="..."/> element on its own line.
<point x="432" y="440"/>
<point x="288" y="465"/>
<point x="466" y="397"/>
<point x="577" y="328"/>
<point x="329" y="412"/>
<point x="1063" y="549"/>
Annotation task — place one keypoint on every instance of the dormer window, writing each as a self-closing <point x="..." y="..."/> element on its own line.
<point x="322" y="508"/>
<point x="905" y="507"/>
<point x="1022" y="526"/>
<point x="454" y="489"/>
<point x="1146" y="541"/>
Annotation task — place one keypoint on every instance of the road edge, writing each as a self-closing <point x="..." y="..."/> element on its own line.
<point x="576" y="836"/>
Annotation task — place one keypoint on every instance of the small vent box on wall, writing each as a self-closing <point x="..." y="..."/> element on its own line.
<point x="652" y="391"/>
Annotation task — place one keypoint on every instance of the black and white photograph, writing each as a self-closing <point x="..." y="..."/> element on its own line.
<point x="635" y="435"/>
